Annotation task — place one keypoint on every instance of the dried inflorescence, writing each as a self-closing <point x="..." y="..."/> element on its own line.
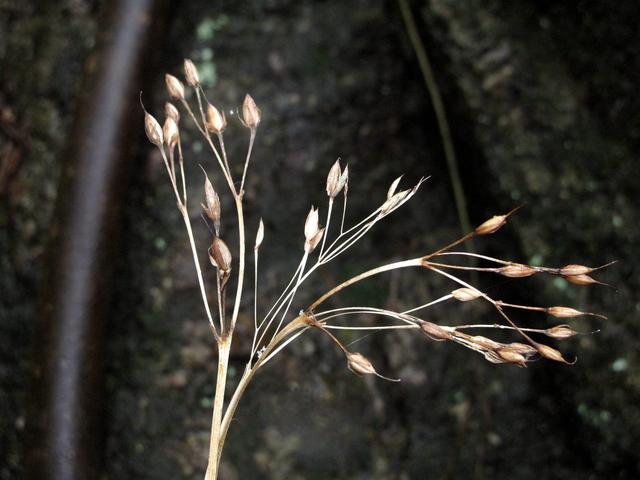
<point x="274" y="330"/>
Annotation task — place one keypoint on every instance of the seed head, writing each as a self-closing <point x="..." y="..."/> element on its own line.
<point x="220" y="255"/>
<point x="344" y="180"/>
<point x="153" y="130"/>
<point x="573" y="269"/>
<point x="465" y="294"/>
<point x="311" y="225"/>
<point x="212" y="209"/>
<point x="510" y="355"/>
<point x="563" y="312"/>
<point x="191" y="73"/>
<point x="582" y="279"/>
<point x="310" y="245"/>
<point x="171" y="111"/>
<point x="174" y="86"/>
<point x="259" y="235"/>
<point x="516" y="270"/>
<point x="523" y="349"/>
<point x="393" y="187"/>
<point x="334" y="185"/>
<point x="494" y="223"/>
<point x="360" y="365"/>
<point x="393" y="201"/>
<point x="170" y="132"/>
<point x="251" y="114"/>
<point x="216" y="121"/>
<point x="551" y="353"/>
<point x="560" y="332"/>
<point x="435" y="332"/>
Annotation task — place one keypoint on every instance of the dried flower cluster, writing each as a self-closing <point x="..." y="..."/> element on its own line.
<point x="275" y="330"/>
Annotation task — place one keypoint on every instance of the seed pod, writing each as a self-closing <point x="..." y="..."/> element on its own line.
<point x="360" y="365"/>
<point x="191" y="73"/>
<point x="153" y="130"/>
<point x="220" y="255"/>
<point x="523" y="349"/>
<point x="394" y="201"/>
<point x="560" y="332"/>
<point x="582" y="279"/>
<point x="333" y="180"/>
<point x="573" y="269"/>
<point x="516" y="270"/>
<point x="551" y="353"/>
<point x="310" y="245"/>
<point x="492" y="225"/>
<point x="435" y="332"/>
<point x="485" y="342"/>
<point x="170" y="132"/>
<point x="212" y="209"/>
<point x="216" y="121"/>
<point x="344" y="180"/>
<point x="564" y="312"/>
<point x="311" y="226"/>
<point x="465" y="294"/>
<point x="511" y="356"/>
<point x="174" y="86"/>
<point x="171" y="111"/>
<point x="259" y="235"/>
<point x="251" y="114"/>
<point x="393" y="187"/>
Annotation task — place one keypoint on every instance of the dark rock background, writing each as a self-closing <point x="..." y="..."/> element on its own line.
<point x="542" y="106"/>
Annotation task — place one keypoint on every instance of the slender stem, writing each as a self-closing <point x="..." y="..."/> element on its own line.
<point x="326" y="228"/>
<point x="241" y="261"/>
<point x="246" y="162"/>
<point x="196" y="261"/>
<point x="344" y="212"/>
<point x="297" y="323"/>
<point x="415" y="262"/>
<point x="224" y="347"/>
<point x="441" y="114"/>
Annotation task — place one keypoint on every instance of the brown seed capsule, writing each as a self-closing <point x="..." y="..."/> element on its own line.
<point x="174" y="86"/>
<point x="171" y="111"/>
<point x="564" y="312"/>
<point x="212" y="210"/>
<point x="465" y="294"/>
<point x="191" y="73"/>
<point x="170" y="132"/>
<point x="360" y="365"/>
<point x="311" y="226"/>
<point x="574" y="269"/>
<point x="251" y="114"/>
<point x="551" y="353"/>
<point x="523" y="349"/>
<point x="435" y="332"/>
<point x="216" y="121"/>
<point x="511" y="356"/>
<point x="516" y="270"/>
<point x="259" y="235"/>
<point x="485" y="342"/>
<point x="333" y="180"/>
<point x="153" y="130"/>
<point x="582" y="279"/>
<point x="492" y="225"/>
<point x="560" y="332"/>
<point x="220" y="255"/>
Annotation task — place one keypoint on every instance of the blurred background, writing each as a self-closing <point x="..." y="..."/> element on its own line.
<point x="541" y="103"/>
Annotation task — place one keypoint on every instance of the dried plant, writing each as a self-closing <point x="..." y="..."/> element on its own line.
<point x="275" y="330"/>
